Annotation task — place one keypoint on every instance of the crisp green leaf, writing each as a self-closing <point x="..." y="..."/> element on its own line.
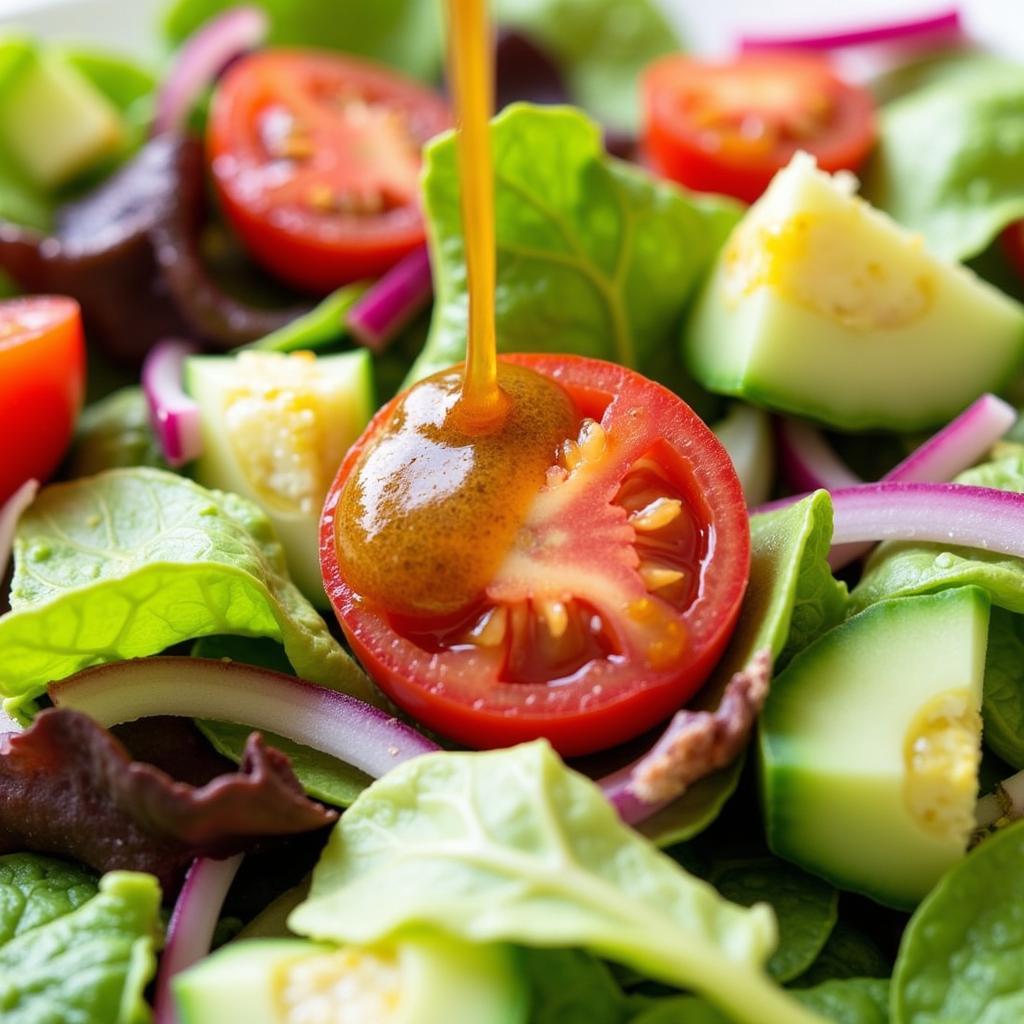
<point x="569" y="986"/>
<point x="849" y="953"/>
<point x="902" y="569"/>
<point x="88" y="966"/>
<point x="1002" y="707"/>
<point x="510" y="845"/>
<point x="602" y="47"/>
<point x="791" y="598"/>
<point x="403" y="33"/>
<point x="129" y="562"/>
<point x="595" y="257"/>
<point x="849" y="1000"/>
<point x="960" y="959"/>
<point x="35" y="890"/>
<point x="806" y="908"/>
<point x="950" y="160"/>
<point x="114" y="433"/>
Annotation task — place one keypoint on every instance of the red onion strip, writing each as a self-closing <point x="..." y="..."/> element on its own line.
<point x="202" y="58"/>
<point x="328" y="721"/>
<point x="176" y="418"/>
<point x="957" y="514"/>
<point x="958" y="445"/>
<point x="192" y="925"/>
<point x="808" y="460"/>
<point x="941" y="25"/>
<point x="392" y="302"/>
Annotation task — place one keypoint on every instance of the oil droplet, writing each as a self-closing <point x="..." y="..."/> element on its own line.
<point x="945" y="561"/>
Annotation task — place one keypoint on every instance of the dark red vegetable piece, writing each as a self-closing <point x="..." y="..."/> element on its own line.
<point x="68" y="787"/>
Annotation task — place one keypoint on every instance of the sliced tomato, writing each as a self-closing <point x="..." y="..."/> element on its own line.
<point x="42" y="380"/>
<point x="316" y="159"/>
<point x="615" y="601"/>
<point x="728" y="127"/>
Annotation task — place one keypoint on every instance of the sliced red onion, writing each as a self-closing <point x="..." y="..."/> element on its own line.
<point x="331" y="722"/>
<point x="192" y="925"/>
<point x="809" y="461"/>
<point x="932" y="27"/>
<point x="175" y="415"/>
<point x="202" y="58"/>
<point x="956" y="514"/>
<point x="392" y="302"/>
<point x="958" y="445"/>
<point x="10" y="513"/>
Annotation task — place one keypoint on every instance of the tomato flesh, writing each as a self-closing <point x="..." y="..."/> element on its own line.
<point x="316" y="161"/>
<point x="42" y="380"/>
<point x="615" y="600"/>
<point x="728" y="127"/>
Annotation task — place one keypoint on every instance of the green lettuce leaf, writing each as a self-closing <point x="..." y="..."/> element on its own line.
<point x="950" y="160"/>
<point x="129" y="562"/>
<point x="569" y="986"/>
<point x="510" y="845"/>
<point x="791" y="599"/>
<point x="35" y="890"/>
<point x="601" y="45"/>
<point x="113" y="433"/>
<point x="806" y="907"/>
<point x="959" y="960"/>
<point x="902" y="569"/>
<point x="849" y="953"/>
<point x="849" y="1000"/>
<point x="403" y="33"/>
<point x="1002" y="706"/>
<point x="90" y="965"/>
<point x="595" y="257"/>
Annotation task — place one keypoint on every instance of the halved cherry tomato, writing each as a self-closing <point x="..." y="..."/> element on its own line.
<point x="728" y="127"/>
<point x="42" y="380"/>
<point x="616" y="600"/>
<point x="1012" y="240"/>
<point x="316" y="159"/>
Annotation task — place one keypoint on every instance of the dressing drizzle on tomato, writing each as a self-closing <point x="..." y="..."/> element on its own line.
<point x="435" y="504"/>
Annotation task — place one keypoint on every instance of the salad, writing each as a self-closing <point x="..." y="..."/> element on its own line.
<point x="504" y="555"/>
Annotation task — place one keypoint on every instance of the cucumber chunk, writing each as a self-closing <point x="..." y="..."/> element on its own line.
<point x="822" y="306"/>
<point x="423" y="979"/>
<point x="54" y="122"/>
<point x="870" y="743"/>
<point x="275" y="428"/>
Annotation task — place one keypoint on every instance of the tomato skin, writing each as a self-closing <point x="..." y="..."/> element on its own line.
<point x="270" y="199"/>
<point x="42" y="382"/>
<point x="461" y="695"/>
<point x="729" y="127"/>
